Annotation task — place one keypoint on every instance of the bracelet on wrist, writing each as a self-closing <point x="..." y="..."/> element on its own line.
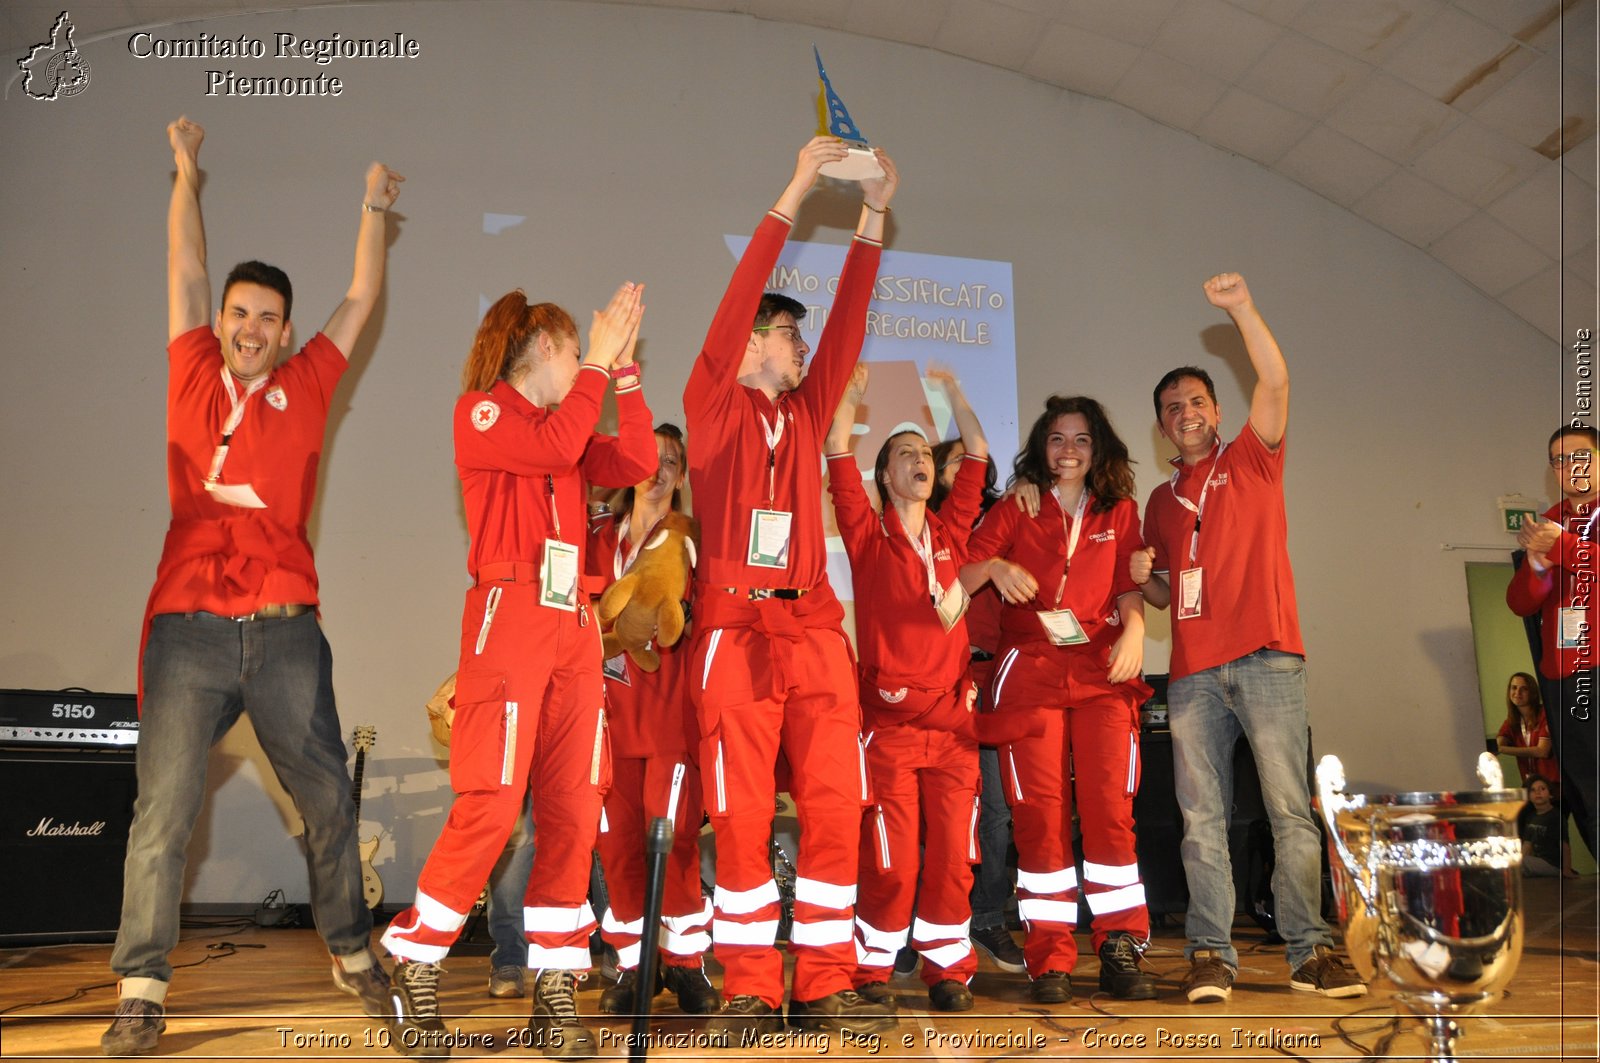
<point x="622" y="371"/>
<point x="876" y="210"/>
<point x="370" y="209"/>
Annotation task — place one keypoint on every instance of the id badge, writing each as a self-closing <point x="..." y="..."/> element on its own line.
<point x="769" y="538"/>
<point x="1573" y="631"/>
<point x="952" y="604"/>
<point x="558" y="576"/>
<point x="616" y="669"/>
<point x="1062" y="628"/>
<point x="1189" y="593"/>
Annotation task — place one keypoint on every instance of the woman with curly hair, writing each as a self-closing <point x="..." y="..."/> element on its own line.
<point x="1072" y="643"/>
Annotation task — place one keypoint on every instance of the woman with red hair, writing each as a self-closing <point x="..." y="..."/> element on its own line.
<point x="528" y="689"/>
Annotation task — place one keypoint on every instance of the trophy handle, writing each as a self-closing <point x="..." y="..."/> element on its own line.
<point x="1489" y="771"/>
<point x="1330" y="788"/>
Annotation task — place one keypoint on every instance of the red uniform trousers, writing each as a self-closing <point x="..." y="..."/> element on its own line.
<point x="1090" y="744"/>
<point x="777" y="687"/>
<point x="528" y="718"/>
<point x="925" y="789"/>
<point x="642" y="789"/>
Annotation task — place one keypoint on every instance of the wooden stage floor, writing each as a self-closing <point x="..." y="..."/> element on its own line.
<point x="268" y="995"/>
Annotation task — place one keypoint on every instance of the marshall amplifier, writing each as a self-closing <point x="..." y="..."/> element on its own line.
<point x="76" y="718"/>
<point x="64" y="819"/>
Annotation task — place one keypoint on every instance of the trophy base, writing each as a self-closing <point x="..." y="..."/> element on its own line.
<point x="1438" y="1017"/>
<point x="860" y="165"/>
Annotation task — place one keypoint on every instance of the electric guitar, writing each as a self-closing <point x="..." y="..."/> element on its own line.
<point x="371" y="884"/>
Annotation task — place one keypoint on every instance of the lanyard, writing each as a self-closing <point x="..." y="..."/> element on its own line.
<point x="774" y="433"/>
<point x="923" y="545"/>
<point x="620" y="563"/>
<point x="1197" y="509"/>
<point x="1071" y="535"/>
<point x="555" y="513"/>
<point x="231" y="425"/>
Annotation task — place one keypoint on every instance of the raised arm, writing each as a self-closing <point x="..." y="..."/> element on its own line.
<point x="188" y="287"/>
<point x="1269" y="403"/>
<point x="842" y="432"/>
<point x="350" y="316"/>
<point x="973" y="440"/>
<point x="875" y="195"/>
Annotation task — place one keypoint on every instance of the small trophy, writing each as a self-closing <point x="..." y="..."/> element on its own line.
<point x="1430" y="892"/>
<point x="833" y="119"/>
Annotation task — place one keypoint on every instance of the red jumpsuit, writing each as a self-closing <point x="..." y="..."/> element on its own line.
<point x="774" y="674"/>
<point x="1091" y="744"/>
<point x="916" y="696"/>
<point x="528" y="689"/>
<point x="653" y="773"/>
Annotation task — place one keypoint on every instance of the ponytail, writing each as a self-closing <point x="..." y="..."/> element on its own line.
<point x="505" y="335"/>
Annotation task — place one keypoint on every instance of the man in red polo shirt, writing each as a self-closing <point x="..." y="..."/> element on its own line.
<point x="231" y="625"/>
<point x="1219" y="553"/>
<point x="1558" y="582"/>
<point x="772" y="674"/>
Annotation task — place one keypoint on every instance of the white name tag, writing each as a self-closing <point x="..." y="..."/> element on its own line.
<point x="952" y="604"/>
<point x="558" y="576"/>
<point x="769" y="538"/>
<point x="1189" y="581"/>
<point x="1573" y="632"/>
<point x="1062" y="627"/>
<point x="616" y="669"/>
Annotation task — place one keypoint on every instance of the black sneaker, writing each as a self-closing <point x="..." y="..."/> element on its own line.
<point x="1120" y="973"/>
<point x="905" y="961"/>
<point x="135" y="1028"/>
<point x="998" y="944"/>
<point x="1327" y="973"/>
<point x="371" y="986"/>
<point x="742" y="1014"/>
<point x="950" y="995"/>
<point x="617" y="998"/>
<point x="1052" y="987"/>
<point x="843" y="1012"/>
<point x="506" y="982"/>
<point x="696" y="994"/>
<point x="414" y="1011"/>
<point x="879" y="993"/>
<point x="554" y="1023"/>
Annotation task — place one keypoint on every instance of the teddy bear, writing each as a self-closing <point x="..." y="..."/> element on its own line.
<point x="645" y="608"/>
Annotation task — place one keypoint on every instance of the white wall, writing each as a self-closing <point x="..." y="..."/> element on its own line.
<point x="636" y="139"/>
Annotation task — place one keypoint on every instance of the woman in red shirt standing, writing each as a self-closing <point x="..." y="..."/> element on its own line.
<point x="528" y="689"/>
<point x="1072" y="641"/>
<point x="916" y="698"/>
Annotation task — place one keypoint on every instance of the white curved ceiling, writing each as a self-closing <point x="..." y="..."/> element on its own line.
<point x="1464" y="127"/>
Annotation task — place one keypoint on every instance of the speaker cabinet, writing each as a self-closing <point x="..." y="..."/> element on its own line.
<point x="64" y="819"/>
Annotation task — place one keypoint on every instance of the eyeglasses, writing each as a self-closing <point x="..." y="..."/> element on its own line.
<point x="789" y="330"/>
<point x="1577" y="457"/>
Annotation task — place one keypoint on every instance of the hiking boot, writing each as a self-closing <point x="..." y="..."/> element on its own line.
<point x="844" y="1012"/>
<point x="371" y="986"/>
<point x="1210" y="979"/>
<point x="950" y="995"/>
<point x="740" y="1015"/>
<point x="135" y="1028"/>
<point x="413" y="1011"/>
<point x="1327" y="973"/>
<point x="879" y="993"/>
<point x="554" y="1023"/>
<point x="998" y="944"/>
<point x="617" y="998"/>
<point x="506" y="982"/>
<point x="1120" y="973"/>
<point x="1052" y="987"/>
<point x="696" y="994"/>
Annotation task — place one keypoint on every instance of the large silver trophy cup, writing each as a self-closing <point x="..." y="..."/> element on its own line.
<point x="1430" y="891"/>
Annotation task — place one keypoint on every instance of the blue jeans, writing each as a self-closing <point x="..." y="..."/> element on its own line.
<point x="508" y="886"/>
<point x="992" y="882"/>
<point x="200" y="672"/>
<point x="1261" y="695"/>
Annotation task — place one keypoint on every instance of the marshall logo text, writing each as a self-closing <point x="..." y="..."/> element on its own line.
<point x="49" y="828"/>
